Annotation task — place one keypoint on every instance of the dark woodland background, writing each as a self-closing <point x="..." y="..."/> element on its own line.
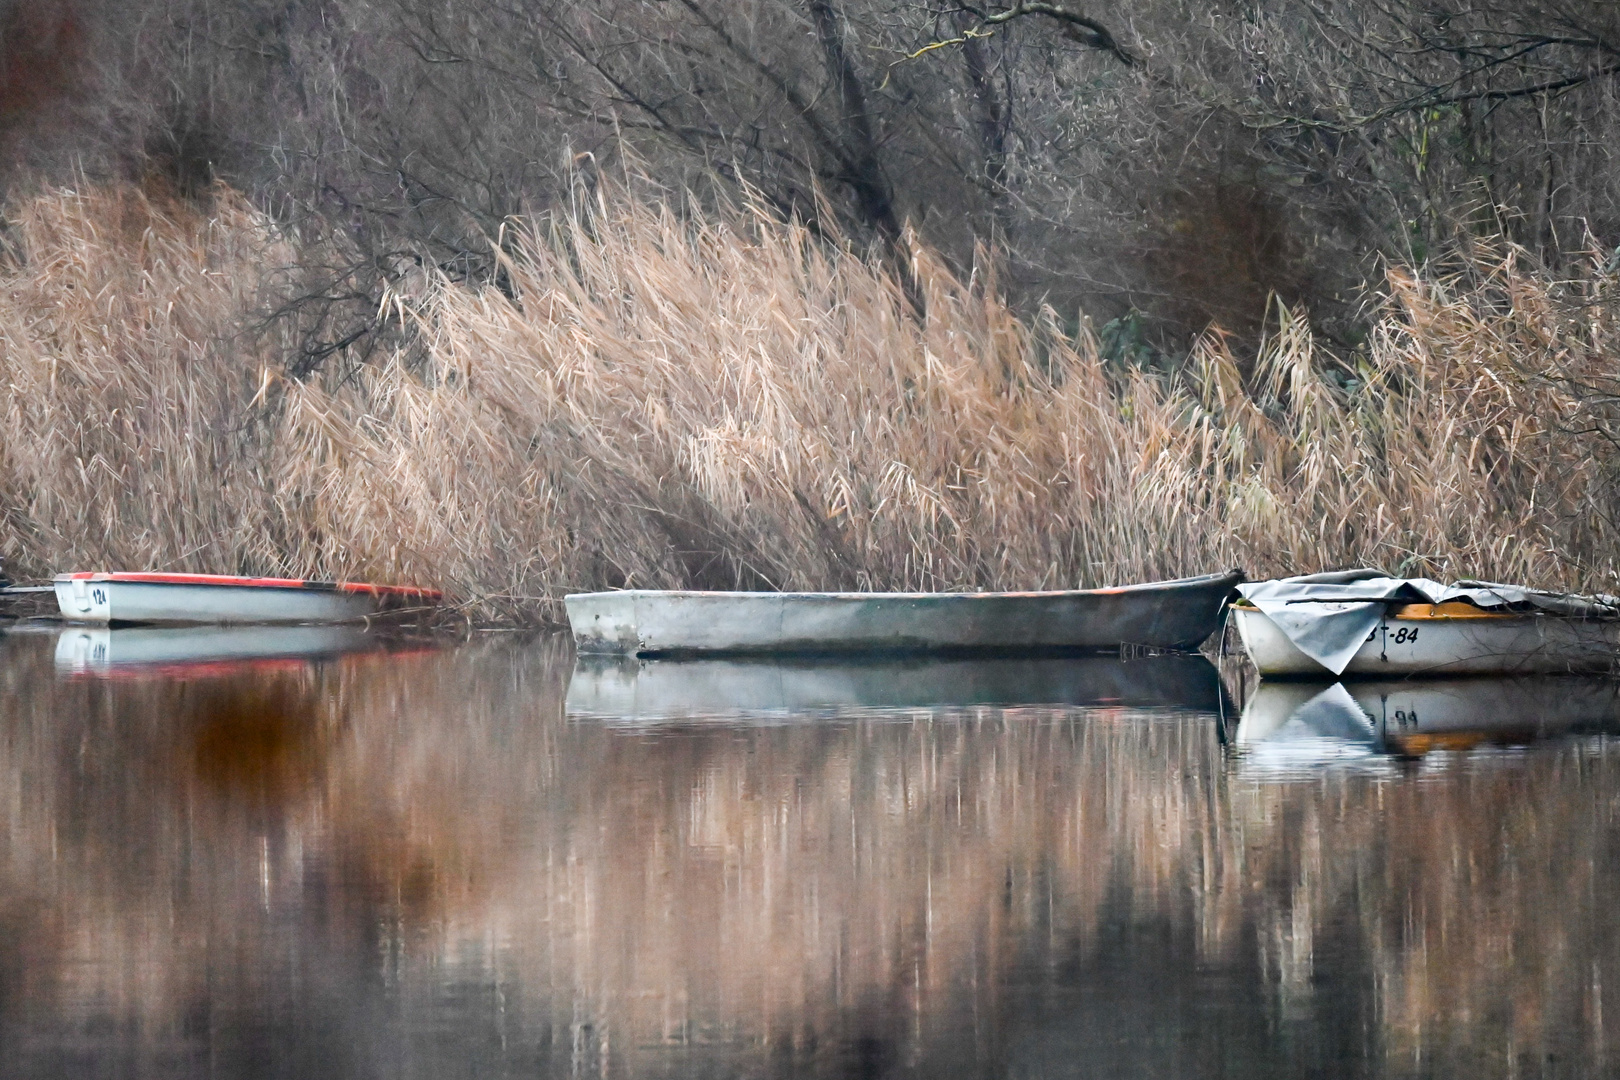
<point x="1162" y="165"/>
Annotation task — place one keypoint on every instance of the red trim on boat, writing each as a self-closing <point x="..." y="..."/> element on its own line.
<point x="194" y="669"/>
<point x="137" y="578"/>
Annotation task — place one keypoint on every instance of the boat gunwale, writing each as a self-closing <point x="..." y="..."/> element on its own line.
<point x="1450" y="611"/>
<point x="886" y="652"/>
<point x="1202" y="581"/>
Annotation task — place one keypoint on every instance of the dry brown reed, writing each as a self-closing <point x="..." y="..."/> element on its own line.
<point x="721" y="399"/>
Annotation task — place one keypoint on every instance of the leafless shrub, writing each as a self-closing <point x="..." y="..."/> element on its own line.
<point x="1243" y="151"/>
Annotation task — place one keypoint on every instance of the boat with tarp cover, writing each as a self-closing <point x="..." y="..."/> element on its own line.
<point x="211" y="598"/>
<point x="1364" y="623"/>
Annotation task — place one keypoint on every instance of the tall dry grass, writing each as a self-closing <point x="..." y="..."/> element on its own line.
<point x="678" y="399"/>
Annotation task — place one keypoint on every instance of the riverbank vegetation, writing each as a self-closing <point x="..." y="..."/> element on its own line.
<point x="657" y="393"/>
<point x="519" y="299"/>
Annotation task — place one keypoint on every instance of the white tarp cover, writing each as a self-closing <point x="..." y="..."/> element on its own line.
<point x="1328" y="616"/>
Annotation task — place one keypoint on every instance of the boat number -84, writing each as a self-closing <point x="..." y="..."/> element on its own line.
<point x="1402" y="635"/>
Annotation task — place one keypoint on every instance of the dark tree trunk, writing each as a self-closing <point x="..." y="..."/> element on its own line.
<point x="861" y="165"/>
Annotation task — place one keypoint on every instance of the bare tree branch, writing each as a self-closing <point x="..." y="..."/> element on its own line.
<point x="1081" y="28"/>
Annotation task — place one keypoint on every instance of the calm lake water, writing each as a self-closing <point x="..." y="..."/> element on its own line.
<point x="426" y="861"/>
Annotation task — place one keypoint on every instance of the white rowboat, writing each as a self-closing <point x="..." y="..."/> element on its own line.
<point x="209" y="598"/>
<point x="1169" y="615"/>
<point x="1445" y="639"/>
<point x="1366" y="623"/>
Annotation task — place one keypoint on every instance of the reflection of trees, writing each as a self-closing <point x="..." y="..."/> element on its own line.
<point x="1477" y="887"/>
<point x="926" y="890"/>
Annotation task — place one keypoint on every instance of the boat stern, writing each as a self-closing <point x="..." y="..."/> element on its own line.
<point x="82" y="599"/>
<point x="604" y="622"/>
<point x="1269" y="648"/>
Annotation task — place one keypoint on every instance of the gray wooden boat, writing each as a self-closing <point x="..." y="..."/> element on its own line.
<point x="1170" y="615"/>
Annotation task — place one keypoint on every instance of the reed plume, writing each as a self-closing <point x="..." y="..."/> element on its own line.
<point x="721" y="399"/>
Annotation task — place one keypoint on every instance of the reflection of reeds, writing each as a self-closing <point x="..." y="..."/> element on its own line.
<point x="723" y="400"/>
<point x="902" y="883"/>
<point x="1478" y="890"/>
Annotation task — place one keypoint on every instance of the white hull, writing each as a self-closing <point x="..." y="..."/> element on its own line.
<point x="96" y="650"/>
<point x="181" y="598"/>
<point x="1168" y="615"/>
<point x="1485" y="644"/>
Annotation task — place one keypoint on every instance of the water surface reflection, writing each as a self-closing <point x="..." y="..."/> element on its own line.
<point x="420" y="863"/>
<point x="629" y="690"/>
<point x="1301" y="724"/>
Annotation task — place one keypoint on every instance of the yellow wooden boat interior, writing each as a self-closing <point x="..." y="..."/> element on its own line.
<point x="1451" y="609"/>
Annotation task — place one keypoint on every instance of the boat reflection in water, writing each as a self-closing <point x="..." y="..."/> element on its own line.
<point x="1293" y="724"/>
<point x="419" y="864"/>
<point x="206" y="650"/>
<point x="626" y="691"/>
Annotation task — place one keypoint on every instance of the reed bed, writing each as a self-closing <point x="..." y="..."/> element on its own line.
<point x="663" y="399"/>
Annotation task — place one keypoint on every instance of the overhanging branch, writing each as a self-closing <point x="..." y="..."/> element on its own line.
<point x="1081" y="28"/>
<point x="1438" y="97"/>
<point x="1076" y="27"/>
